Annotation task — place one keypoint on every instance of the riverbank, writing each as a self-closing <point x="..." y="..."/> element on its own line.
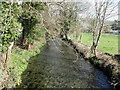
<point x="17" y="64"/>
<point x="105" y="62"/>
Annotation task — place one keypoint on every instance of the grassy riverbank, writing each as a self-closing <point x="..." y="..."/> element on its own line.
<point x="19" y="61"/>
<point x="104" y="62"/>
<point x="108" y="43"/>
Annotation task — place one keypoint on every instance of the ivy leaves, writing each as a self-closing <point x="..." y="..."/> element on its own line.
<point x="16" y="19"/>
<point x="10" y="27"/>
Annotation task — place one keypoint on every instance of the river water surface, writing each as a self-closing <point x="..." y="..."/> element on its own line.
<point x="57" y="66"/>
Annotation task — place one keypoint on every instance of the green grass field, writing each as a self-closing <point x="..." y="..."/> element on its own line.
<point x="108" y="43"/>
<point x="19" y="61"/>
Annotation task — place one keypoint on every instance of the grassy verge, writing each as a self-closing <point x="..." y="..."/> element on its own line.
<point x="108" y="43"/>
<point x="19" y="61"/>
<point x="104" y="62"/>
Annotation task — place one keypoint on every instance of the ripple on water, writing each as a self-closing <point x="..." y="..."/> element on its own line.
<point x="54" y="67"/>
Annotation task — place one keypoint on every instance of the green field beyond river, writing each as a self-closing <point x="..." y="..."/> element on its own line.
<point x="108" y="43"/>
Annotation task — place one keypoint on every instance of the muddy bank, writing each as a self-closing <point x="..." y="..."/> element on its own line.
<point x="104" y="61"/>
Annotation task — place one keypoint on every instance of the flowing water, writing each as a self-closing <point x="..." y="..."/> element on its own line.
<point x="57" y="66"/>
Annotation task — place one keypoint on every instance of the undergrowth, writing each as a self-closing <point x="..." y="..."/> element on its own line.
<point x="18" y="63"/>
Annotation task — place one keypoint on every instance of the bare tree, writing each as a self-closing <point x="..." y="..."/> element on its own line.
<point x="101" y="12"/>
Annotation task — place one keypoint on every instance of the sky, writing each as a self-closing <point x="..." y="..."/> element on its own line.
<point x="115" y="2"/>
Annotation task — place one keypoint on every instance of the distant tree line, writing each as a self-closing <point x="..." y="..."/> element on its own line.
<point x="115" y="25"/>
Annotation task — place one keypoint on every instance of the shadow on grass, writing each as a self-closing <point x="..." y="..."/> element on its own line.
<point x="54" y="67"/>
<point x="34" y="75"/>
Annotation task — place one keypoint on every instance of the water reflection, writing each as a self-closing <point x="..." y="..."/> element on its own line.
<point x="54" y="67"/>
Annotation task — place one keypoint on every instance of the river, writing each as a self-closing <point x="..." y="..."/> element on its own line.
<point x="57" y="66"/>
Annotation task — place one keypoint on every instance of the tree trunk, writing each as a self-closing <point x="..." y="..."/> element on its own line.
<point x="23" y="37"/>
<point x="9" y="51"/>
<point x="3" y="60"/>
<point x="5" y="56"/>
<point x="93" y="49"/>
<point x="81" y="37"/>
<point x="99" y="27"/>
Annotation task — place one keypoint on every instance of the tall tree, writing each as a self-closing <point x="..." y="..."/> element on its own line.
<point x="101" y="13"/>
<point x="10" y="27"/>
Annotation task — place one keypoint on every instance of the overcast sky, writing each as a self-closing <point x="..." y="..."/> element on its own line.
<point x="115" y="2"/>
